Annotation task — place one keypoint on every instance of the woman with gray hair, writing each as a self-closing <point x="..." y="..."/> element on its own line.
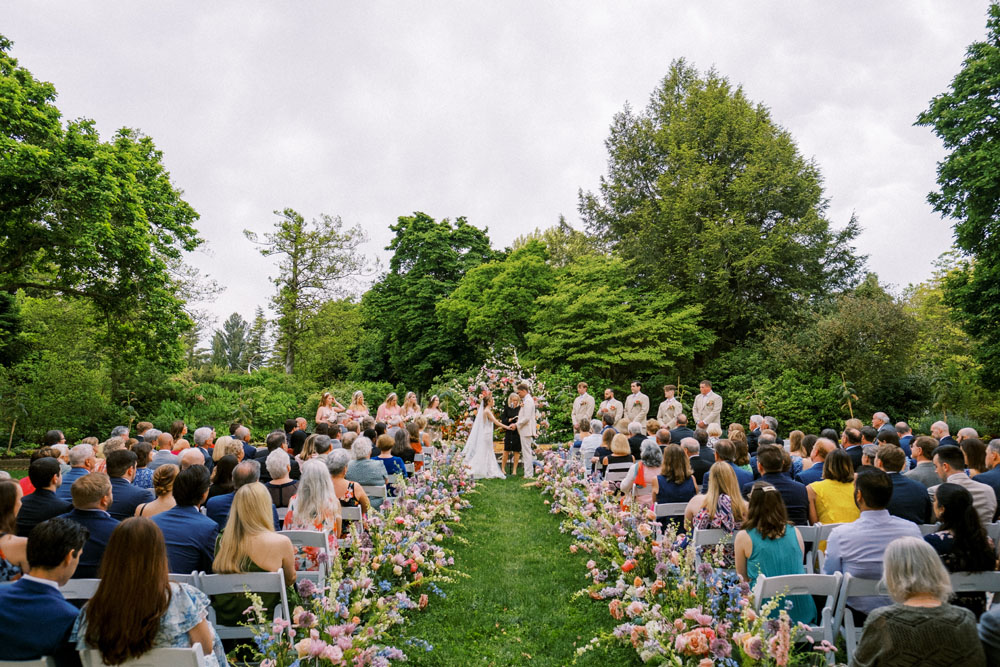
<point x="365" y="470"/>
<point x="641" y="478"/>
<point x="314" y="507"/>
<point x="281" y="487"/>
<point x="921" y="628"/>
<point x="350" y="494"/>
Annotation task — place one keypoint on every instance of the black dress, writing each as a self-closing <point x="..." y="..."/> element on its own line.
<point x="511" y="439"/>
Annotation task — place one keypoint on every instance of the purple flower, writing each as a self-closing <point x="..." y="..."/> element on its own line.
<point x="306" y="588"/>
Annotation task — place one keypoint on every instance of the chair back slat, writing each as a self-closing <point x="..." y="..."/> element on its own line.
<point x="670" y="509"/>
<point x="157" y="657"/>
<point x="80" y="589"/>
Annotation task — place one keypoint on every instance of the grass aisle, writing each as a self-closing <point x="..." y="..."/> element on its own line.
<point x="516" y="607"/>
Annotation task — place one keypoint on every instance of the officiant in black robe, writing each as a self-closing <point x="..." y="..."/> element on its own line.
<point x="511" y="409"/>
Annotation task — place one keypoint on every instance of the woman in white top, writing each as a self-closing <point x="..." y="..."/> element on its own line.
<point x="328" y="408"/>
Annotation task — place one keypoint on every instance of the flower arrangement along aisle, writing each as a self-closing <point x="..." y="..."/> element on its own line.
<point x="501" y="372"/>
<point x="391" y="568"/>
<point x="671" y="611"/>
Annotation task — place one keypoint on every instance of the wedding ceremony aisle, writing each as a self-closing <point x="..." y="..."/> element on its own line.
<point x="517" y="604"/>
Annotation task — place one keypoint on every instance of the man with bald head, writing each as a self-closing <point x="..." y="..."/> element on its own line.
<point x="942" y="433"/>
<point x="242" y="434"/>
<point x="192" y="457"/>
<point x="699" y="466"/>
<point x="966" y="433"/>
<point x="880" y="421"/>
<point x="821" y="449"/>
<point x="83" y="461"/>
<point x="164" y="445"/>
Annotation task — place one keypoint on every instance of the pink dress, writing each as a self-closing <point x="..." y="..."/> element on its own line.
<point x="385" y="413"/>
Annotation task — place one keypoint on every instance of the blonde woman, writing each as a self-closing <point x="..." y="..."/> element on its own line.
<point x="328" y="408"/>
<point x="389" y="408"/>
<point x="225" y="446"/>
<point x="357" y="410"/>
<point x="314" y="507"/>
<point x="434" y="411"/>
<point x="722" y="507"/>
<point x="308" y="449"/>
<point x="411" y="408"/>
<point x="249" y="544"/>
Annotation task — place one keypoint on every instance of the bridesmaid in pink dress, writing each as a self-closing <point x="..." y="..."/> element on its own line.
<point x="328" y="408"/>
<point x="357" y="410"/>
<point x="390" y="408"/>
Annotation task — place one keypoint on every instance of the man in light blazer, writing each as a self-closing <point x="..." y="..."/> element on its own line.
<point x="583" y="406"/>
<point x="527" y="428"/>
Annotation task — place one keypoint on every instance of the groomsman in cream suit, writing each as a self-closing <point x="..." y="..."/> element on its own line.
<point x="583" y="406"/>
<point x="637" y="405"/>
<point x="707" y="407"/>
<point x="612" y="405"/>
<point x="527" y="428"/>
<point x="667" y="413"/>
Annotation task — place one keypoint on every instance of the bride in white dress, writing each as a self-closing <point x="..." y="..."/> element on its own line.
<point x="478" y="453"/>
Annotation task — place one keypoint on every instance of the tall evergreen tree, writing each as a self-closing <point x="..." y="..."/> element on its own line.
<point x="258" y="346"/>
<point x="230" y="344"/>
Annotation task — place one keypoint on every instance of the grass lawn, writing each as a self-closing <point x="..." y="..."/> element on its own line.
<point x="16" y="474"/>
<point x="516" y="607"/>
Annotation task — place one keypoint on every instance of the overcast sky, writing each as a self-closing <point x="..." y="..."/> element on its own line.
<point x="495" y="111"/>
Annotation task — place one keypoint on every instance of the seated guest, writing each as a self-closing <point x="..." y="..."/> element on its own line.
<point x="856" y="548"/>
<point x="725" y="452"/>
<point x="621" y="452"/>
<point x="163" y="489"/>
<point x="83" y="460"/>
<point x="604" y="450"/>
<point x="692" y="449"/>
<point x="314" y="507"/>
<point x="769" y="545"/>
<point x="365" y="470"/>
<point x="590" y="441"/>
<point x="190" y="537"/>
<point x="909" y="497"/>
<point x="166" y="615"/>
<point x="164" y="452"/>
<point x="817" y="456"/>
<point x="640" y="481"/>
<point x="961" y="541"/>
<point x="799" y="449"/>
<point x="714" y="432"/>
<point x="348" y="493"/>
<point x="275" y="441"/>
<point x="413" y="434"/>
<point x="742" y="459"/>
<point x="635" y="438"/>
<point x="975" y="455"/>
<point x="393" y="464"/>
<point x="905" y="434"/>
<point x="217" y="508"/>
<point x="43" y="504"/>
<point x="249" y="543"/>
<point x="675" y="483"/>
<point x="681" y="431"/>
<point x="831" y="500"/>
<point x="308" y="451"/>
<point x="281" y="486"/>
<point x="13" y="549"/>
<point x="27" y="487"/>
<point x="922" y="449"/>
<point x="121" y="466"/>
<point x="91" y="500"/>
<point x="950" y="465"/>
<point x="401" y="445"/>
<point x="143" y="473"/>
<point x="242" y="437"/>
<point x="322" y="446"/>
<point x="920" y="627"/>
<point x="992" y="475"/>
<point x="204" y="442"/>
<point x="652" y="426"/>
<point x="853" y="441"/>
<point x="722" y="507"/>
<point x="770" y="463"/>
<point x="227" y="446"/>
<point x="35" y="618"/>
<point x="222" y="476"/>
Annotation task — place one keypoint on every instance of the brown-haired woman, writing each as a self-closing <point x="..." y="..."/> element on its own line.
<point x="831" y="500"/>
<point x="975" y="455"/>
<point x="675" y="483"/>
<point x="163" y="487"/>
<point x="769" y="545"/>
<point x="164" y="615"/>
<point x="13" y="549"/>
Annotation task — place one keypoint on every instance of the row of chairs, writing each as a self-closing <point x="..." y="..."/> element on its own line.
<point x="158" y="657"/>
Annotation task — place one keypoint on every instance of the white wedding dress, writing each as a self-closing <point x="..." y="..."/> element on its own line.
<point x="478" y="453"/>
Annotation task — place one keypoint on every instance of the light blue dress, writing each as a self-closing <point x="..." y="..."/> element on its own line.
<point x="775" y="558"/>
<point x="188" y="607"/>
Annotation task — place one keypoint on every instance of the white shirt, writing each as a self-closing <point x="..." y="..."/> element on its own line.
<point x="39" y="580"/>
<point x="588" y="446"/>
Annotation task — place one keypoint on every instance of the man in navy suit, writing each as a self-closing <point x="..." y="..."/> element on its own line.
<point x="681" y="431"/>
<point x="852" y="445"/>
<point x="910" y="499"/>
<point x="43" y="504"/>
<point x="190" y="537"/>
<point x="692" y="449"/>
<point x="770" y="462"/>
<point x="820" y="450"/>
<point x="121" y="469"/>
<point x="204" y="441"/>
<point x="82" y="461"/>
<point x="217" y="508"/>
<point x="91" y="500"/>
<point x="905" y="434"/>
<point x="243" y="436"/>
<point x="992" y="475"/>
<point x="726" y="451"/>
<point x="35" y="619"/>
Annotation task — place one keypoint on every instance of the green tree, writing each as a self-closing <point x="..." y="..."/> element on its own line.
<point x="89" y="219"/>
<point x="330" y="346"/>
<point x="707" y="194"/>
<point x="317" y="260"/>
<point x="494" y="303"/>
<point x="564" y="244"/>
<point x="231" y="344"/>
<point x="403" y="340"/>
<point x="966" y="120"/>
<point x="258" y="345"/>
<point x="598" y="323"/>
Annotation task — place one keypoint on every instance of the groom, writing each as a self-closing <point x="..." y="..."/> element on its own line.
<point x="527" y="428"/>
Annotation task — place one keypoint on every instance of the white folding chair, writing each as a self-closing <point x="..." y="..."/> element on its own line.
<point x="318" y="539"/>
<point x="409" y="468"/>
<point x="44" y="661"/>
<point x="617" y="472"/>
<point x="707" y="537"/>
<point x="993" y="530"/>
<point x="844" y="619"/>
<point x="977" y="582"/>
<point x="350" y="513"/>
<point x="157" y="657"/>
<point x="928" y="528"/>
<point x="191" y="579"/>
<point x="394" y="480"/>
<point x="825" y="585"/>
<point x="420" y="458"/>
<point x="670" y="509"/>
<point x="816" y="558"/>
<point x="80" y="589"/>
<point x="246" y="582"/>
<point x="282" y="511"/>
